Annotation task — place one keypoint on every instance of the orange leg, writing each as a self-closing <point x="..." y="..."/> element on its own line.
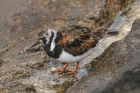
<point x="74" y="71"/>
<point x="61" y="70"/>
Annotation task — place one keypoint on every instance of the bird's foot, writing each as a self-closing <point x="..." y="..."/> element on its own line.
<point x="72" y="72"/>
<point x="59" y="70"/>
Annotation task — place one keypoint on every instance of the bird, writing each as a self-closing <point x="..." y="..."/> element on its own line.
<point x="71" y="43"/>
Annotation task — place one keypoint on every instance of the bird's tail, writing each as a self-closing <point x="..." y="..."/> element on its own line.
<point x="103" y="29"/>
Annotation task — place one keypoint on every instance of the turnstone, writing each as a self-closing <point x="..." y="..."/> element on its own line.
<point x="71" y="43"/>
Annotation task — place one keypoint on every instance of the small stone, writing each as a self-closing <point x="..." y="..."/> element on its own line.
<point x="53" y="69"/>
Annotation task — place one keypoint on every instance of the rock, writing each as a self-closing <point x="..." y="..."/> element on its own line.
<point x="17" y="87"/>
<point x="120" y="70"/>
<point x="128" y="77"/>
<point x="126" y="80"/>
<point x="20" y="24"/>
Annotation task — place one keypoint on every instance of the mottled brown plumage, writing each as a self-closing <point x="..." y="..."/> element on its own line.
<point x="77" y="39"/>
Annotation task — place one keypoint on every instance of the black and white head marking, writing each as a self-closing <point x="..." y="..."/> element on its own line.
<point x="53" y="40"/>
<point x="48" y="38"/>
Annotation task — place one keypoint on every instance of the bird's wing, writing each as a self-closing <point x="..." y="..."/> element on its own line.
<point x="77" y="39"/>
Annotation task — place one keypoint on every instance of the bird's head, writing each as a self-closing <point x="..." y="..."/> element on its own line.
<point x="45" y="37"/>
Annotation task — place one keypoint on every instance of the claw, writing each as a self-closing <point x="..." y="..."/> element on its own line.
<point x="61" y="70"/>
<point x="72" y="72"/>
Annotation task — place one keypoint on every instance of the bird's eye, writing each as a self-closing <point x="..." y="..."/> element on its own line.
<point x="46" y="33"/>
<point x="43" y="38"/>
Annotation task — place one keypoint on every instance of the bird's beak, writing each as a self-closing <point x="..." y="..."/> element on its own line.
<point x="37" y="43"/>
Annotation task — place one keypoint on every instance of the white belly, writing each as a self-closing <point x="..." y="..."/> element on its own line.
<point x="66" y="57"/>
